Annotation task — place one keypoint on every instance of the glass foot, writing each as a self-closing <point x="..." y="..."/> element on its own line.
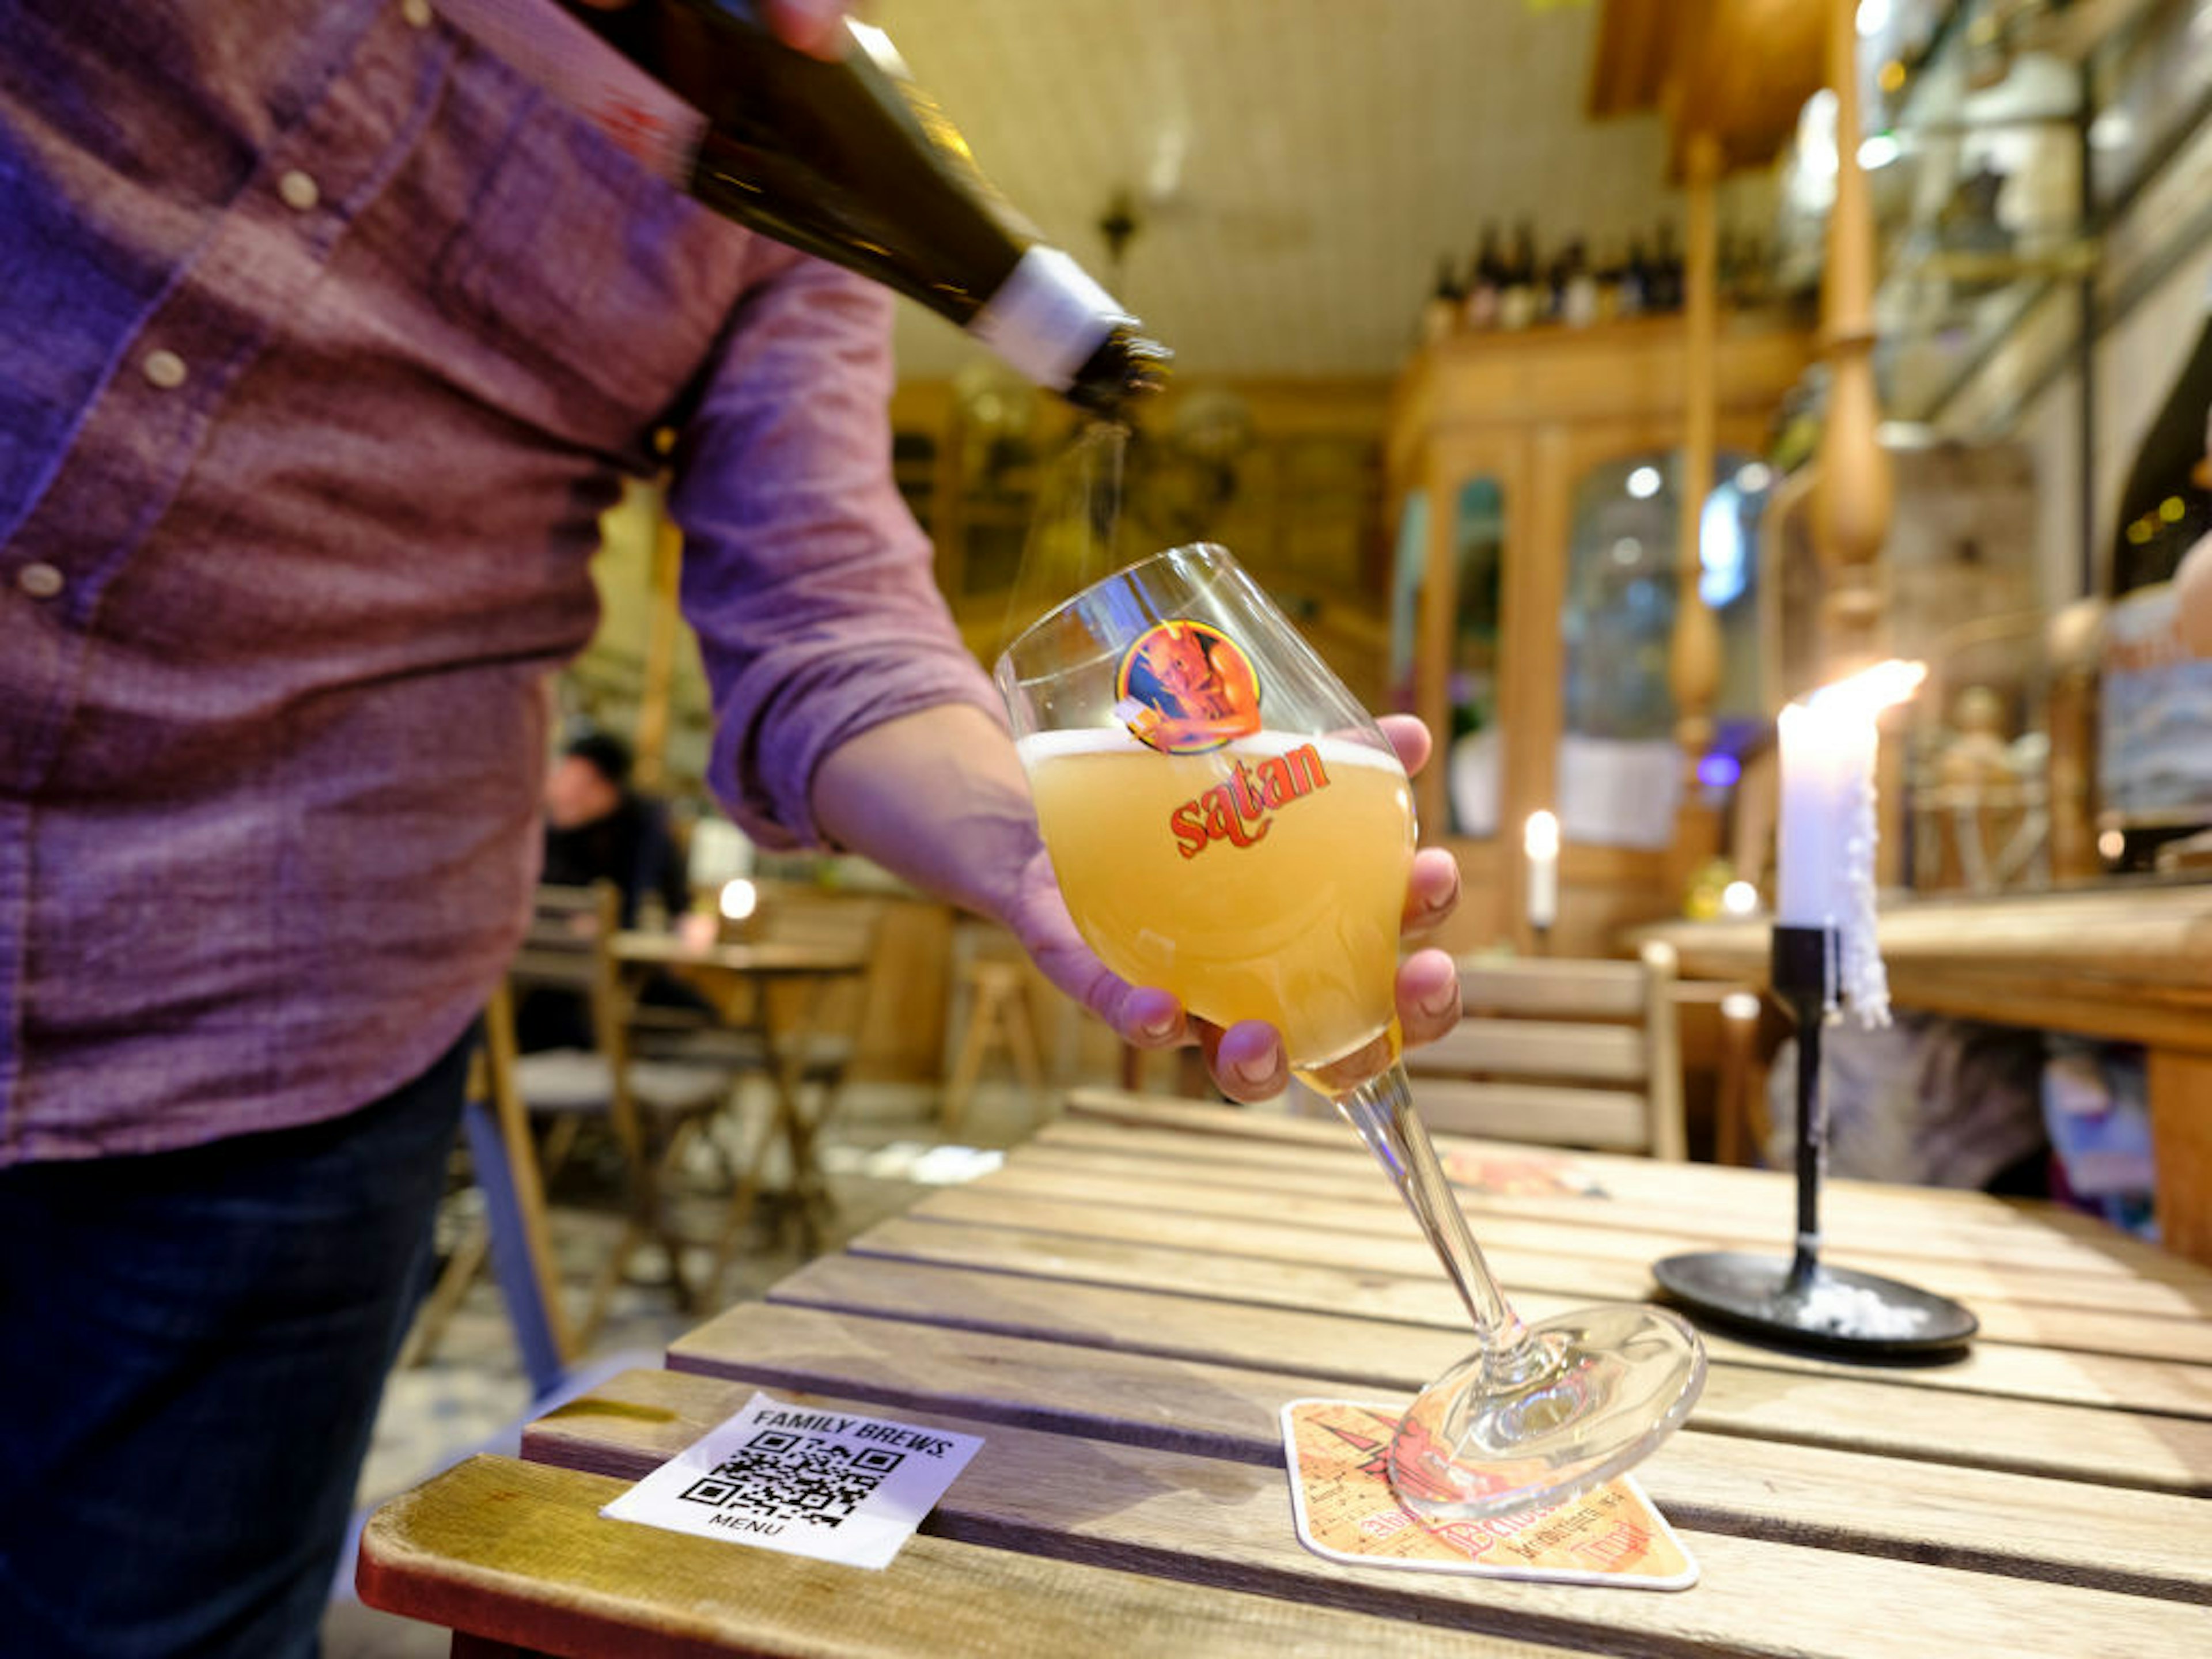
<point x="1589" y="1395"/>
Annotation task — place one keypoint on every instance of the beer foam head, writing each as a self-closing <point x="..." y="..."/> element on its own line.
<point x="1041" y="746"/>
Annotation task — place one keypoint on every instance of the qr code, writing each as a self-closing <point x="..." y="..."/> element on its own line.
<point x="779" y="1475"/>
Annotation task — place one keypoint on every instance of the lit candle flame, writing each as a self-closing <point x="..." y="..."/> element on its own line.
<point x="1870" y="691"/>
<point x="1540" y="836"/>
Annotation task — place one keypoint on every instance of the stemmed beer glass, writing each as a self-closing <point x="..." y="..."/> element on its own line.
<point x="1227" y="823"/>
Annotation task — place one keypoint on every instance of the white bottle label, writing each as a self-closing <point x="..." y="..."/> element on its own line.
<point x="1048" y="317"/>
<point x="549" y="47"/>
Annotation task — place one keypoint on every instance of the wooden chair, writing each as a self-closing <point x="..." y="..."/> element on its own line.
<point x="802" y="1035"/>
<point x="991" y="979"/>
<point x="501" y="1166"/>
<point x="1577" y="1052"/>
<point x="652" y="1107"/>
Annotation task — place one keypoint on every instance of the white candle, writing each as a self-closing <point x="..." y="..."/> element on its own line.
<point x="1540" y="840"/>
<point x="1825" y="861"/>
<point x="1828" y="760"/>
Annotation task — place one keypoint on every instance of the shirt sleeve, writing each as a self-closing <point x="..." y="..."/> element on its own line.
<point x="808" y="582"/>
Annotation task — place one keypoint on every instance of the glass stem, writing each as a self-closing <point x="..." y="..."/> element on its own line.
<point x="1381" y="1110"/>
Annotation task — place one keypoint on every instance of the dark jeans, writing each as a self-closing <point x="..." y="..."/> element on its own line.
<point x="191" y="1348"/>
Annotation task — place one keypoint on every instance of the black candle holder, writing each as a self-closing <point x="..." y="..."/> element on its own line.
<point x="1796" y="1301"/>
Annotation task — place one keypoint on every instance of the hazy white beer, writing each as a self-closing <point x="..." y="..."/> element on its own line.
<point x="1259" y="881"/>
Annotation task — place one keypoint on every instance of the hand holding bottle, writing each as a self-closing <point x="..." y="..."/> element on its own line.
<point x="809" y="25"/>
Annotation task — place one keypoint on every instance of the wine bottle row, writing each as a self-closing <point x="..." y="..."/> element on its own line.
<point x="1511" y="288"/>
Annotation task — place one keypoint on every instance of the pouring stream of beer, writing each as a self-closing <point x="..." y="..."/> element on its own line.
<point x="1075" y="536"/>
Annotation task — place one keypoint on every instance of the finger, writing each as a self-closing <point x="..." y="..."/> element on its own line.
<point x="814" y="26"/>
<point x="1150" y="1017"/>
<point x="1432" y="891"/>
<point x="1428" y="996"/>
<point x="1144" y="1015"/>
<point x="1246" y="1060"/>
<point x="1410" y="737"/>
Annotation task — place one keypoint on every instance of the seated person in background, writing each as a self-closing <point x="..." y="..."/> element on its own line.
<point x="598" y="828"/>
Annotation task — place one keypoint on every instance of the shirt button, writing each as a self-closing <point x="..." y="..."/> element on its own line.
<point x="40" y="580"/>
<point x="417" y="12"/>
<point x="164" y="369"/>
<point x="299" y="190"/>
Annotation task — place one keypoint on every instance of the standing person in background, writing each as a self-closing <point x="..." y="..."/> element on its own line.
<point x="325" y="337"/>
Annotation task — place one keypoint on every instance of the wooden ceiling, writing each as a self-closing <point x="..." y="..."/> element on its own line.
<point x="1296" y="166"/>
<point x="1740" y="70"/>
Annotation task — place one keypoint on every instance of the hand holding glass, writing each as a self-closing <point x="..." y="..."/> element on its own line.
<point x="1226" y="821"/>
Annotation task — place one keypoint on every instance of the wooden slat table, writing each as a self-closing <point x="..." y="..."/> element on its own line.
<point x="1124" y="1308"/>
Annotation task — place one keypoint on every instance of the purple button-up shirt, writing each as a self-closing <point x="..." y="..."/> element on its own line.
<point x="324" y="339"/>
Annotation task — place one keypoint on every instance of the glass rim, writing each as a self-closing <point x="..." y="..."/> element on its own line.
<point x="1216" y="556"/>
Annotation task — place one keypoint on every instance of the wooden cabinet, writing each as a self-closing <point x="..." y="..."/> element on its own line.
<point x="1531" y="475"/>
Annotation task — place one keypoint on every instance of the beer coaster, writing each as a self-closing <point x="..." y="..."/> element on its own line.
<point x="1337" y="1451"/>
<point x="1521" y="1178"/>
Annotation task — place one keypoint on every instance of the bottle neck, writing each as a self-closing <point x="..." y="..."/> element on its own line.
<point x="1125" y="368"/>
<point x="1051" y="321"/>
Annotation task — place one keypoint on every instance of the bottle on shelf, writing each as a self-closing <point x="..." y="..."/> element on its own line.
<point x="1517" y="301"/>
<point x="1440" y="316"/>
<point x="1611" y="270"/>
<point x="1486" y="284"/>
<point x="1578" y="292"/>
<point x="1552" y="290"/>
<point x="1632" y="296"/>
<point x="1665" y="291"/>
<point x="848" y="159"/>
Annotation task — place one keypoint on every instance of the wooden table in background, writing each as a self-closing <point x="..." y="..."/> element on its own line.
<point x="775" y="990"/>
<point x="1122" y="1309"/>
<point x="2126" y="962"/>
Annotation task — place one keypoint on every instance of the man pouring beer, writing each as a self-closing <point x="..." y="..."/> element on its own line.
<point x="325" y="337"/>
